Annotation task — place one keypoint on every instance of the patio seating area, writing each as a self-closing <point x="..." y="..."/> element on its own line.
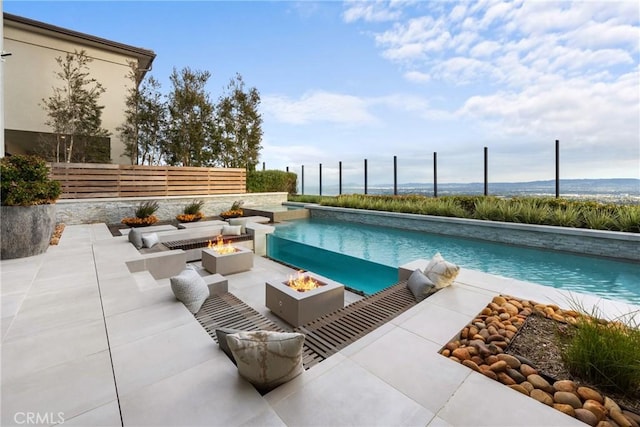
<point x="86" y="341"/>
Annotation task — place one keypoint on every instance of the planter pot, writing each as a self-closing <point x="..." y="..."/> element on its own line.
<point x="26" y="230"/>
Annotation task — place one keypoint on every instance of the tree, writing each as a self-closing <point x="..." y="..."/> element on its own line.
<point x="73" y="111"/>
<point x="239" y="125"/>
<point x="191" y="127"/>
<point x="144" y="129"/>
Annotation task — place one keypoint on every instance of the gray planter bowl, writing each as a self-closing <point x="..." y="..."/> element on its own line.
<point x="26" y="230"/>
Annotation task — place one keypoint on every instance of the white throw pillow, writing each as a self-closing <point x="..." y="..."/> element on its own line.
<point x="190" y="289"/>
<point x="231" y="230"/>
<point x="149" y="240"/>
<point x="239" y="221"/>
<point x="135" y="237"/>
<point x="420" y="285"/>
<point x="267" y="359"/>
<point x="441" y="272"/>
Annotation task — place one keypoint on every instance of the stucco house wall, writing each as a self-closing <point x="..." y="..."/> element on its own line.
<point x="29" y="76"/>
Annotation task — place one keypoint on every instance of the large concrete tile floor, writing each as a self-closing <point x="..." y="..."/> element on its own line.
<point x="86" y="343"/>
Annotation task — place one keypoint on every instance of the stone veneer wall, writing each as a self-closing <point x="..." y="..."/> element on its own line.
<point x="611" y="244"/>
<point x="111" y="211"/>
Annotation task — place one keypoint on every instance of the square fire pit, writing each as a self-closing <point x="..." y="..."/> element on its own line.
<point x="296" y="307"/>
<point x="239" y="260"/>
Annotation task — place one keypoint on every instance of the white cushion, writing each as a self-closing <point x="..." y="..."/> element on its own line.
<point x="420" y="285"/>
<point x="267" y="359"/>
<point x="190" y="289"/>
<point x="149" y="240"/>
<point x="239" y="221"/>
<point x="231" y="230"/>
<point x="441" y="272"/>
<point x="135" y="237"/>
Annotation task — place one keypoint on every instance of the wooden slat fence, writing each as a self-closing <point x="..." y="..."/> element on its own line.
<point x="91" y="180"/>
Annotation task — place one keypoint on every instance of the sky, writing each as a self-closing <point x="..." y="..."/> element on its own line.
<point x="354" y="80"/>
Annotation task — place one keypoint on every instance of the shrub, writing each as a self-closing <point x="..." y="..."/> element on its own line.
<point x="193" y="208"/>
<point x="271" y="180"/>
<point x="146" y="209"/>
<point x="606" y="352"/>
<point x="25" y="182"/>
<point x="627" y="218"/>
<point x="596" y="219"/>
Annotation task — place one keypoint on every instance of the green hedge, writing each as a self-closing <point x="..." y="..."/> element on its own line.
<point x="25" y="182"/>
<point x="527" y="210"/>
<point x="271" y="180"/>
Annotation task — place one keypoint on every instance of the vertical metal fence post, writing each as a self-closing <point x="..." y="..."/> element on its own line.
<point x="435" y="174"/>
<point x="557" y="169"/>
<point x="302" y="180"/>
<point x="365" y="176"/>
<point x="320" y="176"/>
<point x="395" y="175"/>
<point x="339" y="177"/>
<point x="287" y="169"/>
<point x="486" y="171"/>
<point x="263" y="166"/>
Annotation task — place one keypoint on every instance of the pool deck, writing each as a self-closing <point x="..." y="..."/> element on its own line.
<point x="87" y="343"/>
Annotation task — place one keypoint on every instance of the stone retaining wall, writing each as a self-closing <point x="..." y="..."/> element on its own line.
<point x="611" y="244"/>
<point x="111" y="211"/>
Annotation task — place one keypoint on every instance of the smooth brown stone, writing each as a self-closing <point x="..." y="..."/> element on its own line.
<point x="597" y="408"/>
<point x="499" y="300"/>
<point x="509" y="334"/>
<point x="511" y="309"/>
<point x="587" y="393"/>
<point x="538" y="382"/>
<point x="619" y="418"/>
<point x="586" y="416"/>
<point x="461" y="353"/>
<point x="477" y="360"/>
<point x="513" y="362"/>
<point x="452" y="345"/>
<point x="565" y="385"/>
<point x="501" y="344"/>
<point x="519" y="388"/>
<point x="542" y="396"/>
<point x="446" y="352"/>
<point x="567" y="409"/>
<point x="479" y="325"/>
<point x="528" y="386"/>
<point x="516" y="303"/>
<point x="505" y="379"/>
<point x="567" y="398"/>
<point x="527" y="370"/>
<point x="504" y="316"/>
<point x="499" y="366"/>
<point x="472" y="331"/>
<point x="605" y="424"/>
<point x="492" y="330"/>
<point x="490" y="321"/>
<point x="464" y="333"/>
<point x="486" y="311"/>
<point x="471" y="364"/>
<point x="516" y="375"/>
<point x="489" y="373"/>
<point x="511" y="328"/>
<point x="455" y="359"/>
<point x="632" y="416"/>
<point x="478" y="337"/>
<point x="484" y="333"/>
<point x="611" y="404"/>
<point x="491" y="359"/>
<point x="493" y="348"/>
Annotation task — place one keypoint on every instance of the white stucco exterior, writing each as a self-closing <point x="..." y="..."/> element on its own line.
<point x="29" y="76"/>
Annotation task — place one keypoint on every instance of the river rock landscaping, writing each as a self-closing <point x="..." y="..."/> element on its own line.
<point x="497" y="344"/>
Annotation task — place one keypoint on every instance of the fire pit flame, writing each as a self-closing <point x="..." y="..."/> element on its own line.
<point x="303" y="283"/>
<point x="220" y="247"/>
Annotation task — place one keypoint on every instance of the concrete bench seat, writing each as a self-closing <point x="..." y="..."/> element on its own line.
<point x="199" y="224"/>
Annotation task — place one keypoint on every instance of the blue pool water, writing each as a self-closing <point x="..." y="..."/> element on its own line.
<point x="366" y="258"/>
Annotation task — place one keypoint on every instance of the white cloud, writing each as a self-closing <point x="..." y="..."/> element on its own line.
<point x="318" y="106"/>
<point x="484" y="48"/>
<point x="372" y="11"/>
<point x="417" y="76"/>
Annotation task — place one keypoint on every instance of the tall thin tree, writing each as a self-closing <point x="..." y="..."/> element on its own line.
<point x="73" y="111"/>
<point x="191" y="127"/>
<point x="239" y="125"/>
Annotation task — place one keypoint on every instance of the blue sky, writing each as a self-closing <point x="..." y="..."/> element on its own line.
<point x="345" y="81"/>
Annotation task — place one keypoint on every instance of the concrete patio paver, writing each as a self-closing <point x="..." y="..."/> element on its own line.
<point x="84" y="337"/>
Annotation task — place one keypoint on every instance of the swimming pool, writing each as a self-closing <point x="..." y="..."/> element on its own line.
<point x="365" y="257"/>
